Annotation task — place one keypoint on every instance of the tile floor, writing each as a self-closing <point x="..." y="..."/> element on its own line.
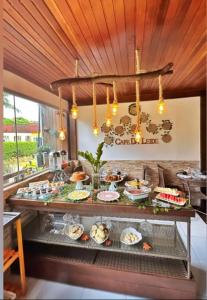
<point x="41" y="289"/>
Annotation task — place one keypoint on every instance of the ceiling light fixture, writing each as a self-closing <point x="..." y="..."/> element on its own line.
<point x="115" y="104"/>
<point x="138" y="134"/>
<point x="62" y="134"/>
<point x="95" y="125"/>
<point x="74" y="109"/>
<point x="161" y="102"/>
<point x="108" y="110"/>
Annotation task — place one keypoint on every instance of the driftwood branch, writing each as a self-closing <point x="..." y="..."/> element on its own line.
<point x="108" y="79"/>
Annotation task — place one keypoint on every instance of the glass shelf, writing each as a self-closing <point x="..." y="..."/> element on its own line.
<point x="165" y="239"/>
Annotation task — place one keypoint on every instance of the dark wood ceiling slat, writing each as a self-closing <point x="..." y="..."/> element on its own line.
<point x="42" y="38"/>
<point x="47" y="15"/>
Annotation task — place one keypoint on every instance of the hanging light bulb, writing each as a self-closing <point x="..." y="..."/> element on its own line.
<point x="74" y="111"/>
<point x="161" y="106"/>
<point x="115" y="104"/>
<point x="161" y="102"/>
<point x="95" y="130"/>
<point x="114" y="108"/>
<point x="61" y="134"/>
<point x="108" y="122"/>
<point x="108" y="110"/>
<point x="138" y="136"/>
<point x="95" y="126"/>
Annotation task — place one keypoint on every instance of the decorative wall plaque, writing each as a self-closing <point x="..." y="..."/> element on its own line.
<point x="124" y="132"/>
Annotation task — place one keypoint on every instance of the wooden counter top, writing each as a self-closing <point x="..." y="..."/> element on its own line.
<point x="92" y="207"/>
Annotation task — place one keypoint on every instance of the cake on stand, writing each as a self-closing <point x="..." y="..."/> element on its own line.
<point x="79" y="177"/>
<point x="113" y="183"/>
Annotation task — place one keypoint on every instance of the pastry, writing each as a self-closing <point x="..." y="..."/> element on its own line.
<point x="130" y="238"/>
<point x="77" y="176"/>
<point x="75" y="231"/>
<point x="108" y="243"/>
<point x="99" y="232"/>
<point x="147" y="246"/>
<point x="112" y="178"/>
<point x="85" y="237"/>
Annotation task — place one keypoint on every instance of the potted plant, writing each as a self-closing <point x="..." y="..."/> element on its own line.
<point x="95" y="162"/>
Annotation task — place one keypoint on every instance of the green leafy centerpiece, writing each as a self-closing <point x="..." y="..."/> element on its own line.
<point x="95" y="162"/>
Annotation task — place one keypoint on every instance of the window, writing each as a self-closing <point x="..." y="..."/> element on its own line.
<point x="27" y="138"/>
<point x="6" y="138"/>
<point x="30" y="129"/>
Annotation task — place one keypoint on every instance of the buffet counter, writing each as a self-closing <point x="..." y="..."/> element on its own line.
<point x="157" y="267"/>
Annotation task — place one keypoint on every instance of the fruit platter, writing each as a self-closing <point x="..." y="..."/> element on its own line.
<point x="171" y="199"/>
<point x="78" y="195"/>
<point x="136" y="183"/>
<point x="165" y="190"/>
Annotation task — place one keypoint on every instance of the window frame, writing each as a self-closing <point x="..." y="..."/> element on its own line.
<point x="19" y="172"/>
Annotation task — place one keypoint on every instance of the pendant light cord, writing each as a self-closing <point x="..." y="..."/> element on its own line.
<point x="138" y="89"/>
<point x="94" y="106"/>
<point x="108" y="112"/>
<point x="60" y="107"/>
<point x="160" y="87"/>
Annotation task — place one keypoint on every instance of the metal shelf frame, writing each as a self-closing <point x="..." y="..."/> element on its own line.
<point x="165" y="239"/>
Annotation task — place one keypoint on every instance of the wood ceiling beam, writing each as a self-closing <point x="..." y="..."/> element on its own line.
<point x="104" y="79"/>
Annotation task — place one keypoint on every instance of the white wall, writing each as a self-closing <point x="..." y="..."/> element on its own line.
<point x="185" y="144"/>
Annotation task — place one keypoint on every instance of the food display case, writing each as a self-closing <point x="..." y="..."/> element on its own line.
<point x="154" y="264"/>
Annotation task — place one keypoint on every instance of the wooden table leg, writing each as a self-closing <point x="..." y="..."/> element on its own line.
<point x="21" y="256"/>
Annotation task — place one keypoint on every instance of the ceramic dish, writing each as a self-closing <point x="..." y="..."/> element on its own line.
<point x="99" y="232"/>
<point x="108" y="196"/>
<point x="132" y="184"/>
<point x="74" y="231"/>
<point x="84" y="179"/>
<point x="130" y="236"/>
<point x="183" y="176"/>
<point x="169" y="191"/>
<point x="135" y="194"/>
<point x="78" y="195"/>
<point x="171" y="199"/>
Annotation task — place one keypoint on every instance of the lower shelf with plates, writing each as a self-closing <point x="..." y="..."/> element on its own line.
<point x="164" y="239"/>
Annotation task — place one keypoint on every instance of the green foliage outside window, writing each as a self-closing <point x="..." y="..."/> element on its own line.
<point x="19" y="121"/>
<point x="24" y="149"/>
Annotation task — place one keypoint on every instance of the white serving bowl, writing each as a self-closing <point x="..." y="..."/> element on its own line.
<point x="107" y="236"/>
<point x="67" y="228"/>
<point x="135" y="197"/>
<point x="130" y="230"/>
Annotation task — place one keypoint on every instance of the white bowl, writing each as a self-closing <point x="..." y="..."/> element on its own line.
<point x="102" y="241"/>
<point x="130" y="230"/>
<point x="67" y="228"/>
<point x="133" y="197"/>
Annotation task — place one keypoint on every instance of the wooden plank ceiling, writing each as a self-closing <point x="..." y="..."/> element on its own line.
<point x="42" y="39"/>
